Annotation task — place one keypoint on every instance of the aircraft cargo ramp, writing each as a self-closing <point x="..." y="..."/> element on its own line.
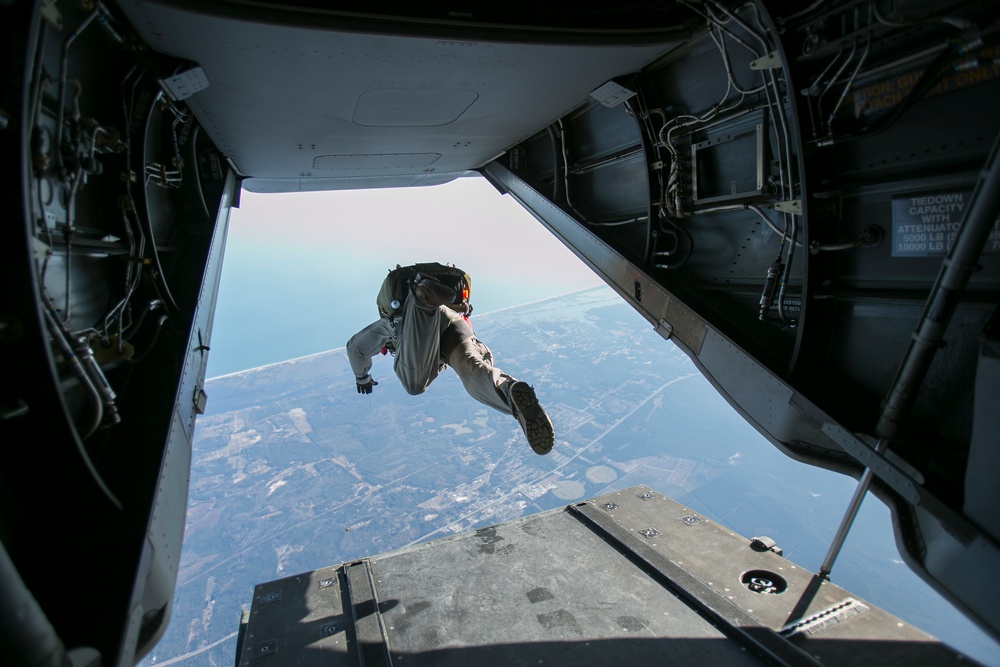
<point x="626" y="578"/>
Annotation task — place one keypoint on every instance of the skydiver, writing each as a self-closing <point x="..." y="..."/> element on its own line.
<point x="429" y="336"/>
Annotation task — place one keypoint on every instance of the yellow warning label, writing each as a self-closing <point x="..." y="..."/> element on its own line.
<point x="890" y="92"/>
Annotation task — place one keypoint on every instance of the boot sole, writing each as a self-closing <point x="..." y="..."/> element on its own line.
<point x="534" y="422"/>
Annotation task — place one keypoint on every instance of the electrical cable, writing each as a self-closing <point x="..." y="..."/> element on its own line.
<point x="143" y="220"/>
<point x="151" y="305"/>
<point x="786" y="134"/>
<point x="677" y="242"/>
<point x="197" y="171"/>
<point x="802" y="12"/>
<point x="811" y="91"/>
<point x="565" y="156"/>
<point x="152" y="343"/>
<point x="555" y="163"/>
<point x="619" y="223"/>
<point x="833" y="80"/>
<point x="930" y="77"/>
<point x="135" y="260"/>
<point x="68" y="232"/>
<point x="784" y="139"/>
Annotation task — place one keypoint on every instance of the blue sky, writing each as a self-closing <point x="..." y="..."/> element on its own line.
<point x="301" y="270"/>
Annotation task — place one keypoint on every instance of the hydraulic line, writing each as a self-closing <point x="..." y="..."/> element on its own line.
<point x="565" y="156"/>
<point x="811" y="91"/>
<point x="555" y="163"/>
<point x="833" y="80"/>
<point x="61" y="336"/>
<point x="850" y="82"/>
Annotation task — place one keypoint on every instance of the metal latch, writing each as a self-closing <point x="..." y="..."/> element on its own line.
<point x="764" y="543"/>
<point x="200" y="400"/>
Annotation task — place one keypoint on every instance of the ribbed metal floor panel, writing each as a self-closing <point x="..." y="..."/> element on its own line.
<point x="627" y="578"/>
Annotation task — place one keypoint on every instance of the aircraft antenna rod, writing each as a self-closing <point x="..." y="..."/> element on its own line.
<point x="852" y="513"/>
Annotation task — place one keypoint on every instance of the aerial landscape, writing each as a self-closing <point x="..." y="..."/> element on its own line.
<point x="294" y="471"/>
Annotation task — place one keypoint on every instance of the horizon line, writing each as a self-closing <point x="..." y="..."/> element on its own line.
<point x="317" y="354"/>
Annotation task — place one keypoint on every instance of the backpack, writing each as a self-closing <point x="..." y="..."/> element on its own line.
<point x="396" y="286"/>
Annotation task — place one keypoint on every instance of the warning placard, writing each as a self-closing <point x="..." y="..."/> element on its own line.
<point x="963" y="72"/>
<point x="925" y="224"/>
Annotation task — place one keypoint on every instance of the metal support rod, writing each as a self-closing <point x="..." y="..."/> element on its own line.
<point x="852" y="513"/>
<point x="962" y="261"/>
<point x="956" y="269"/>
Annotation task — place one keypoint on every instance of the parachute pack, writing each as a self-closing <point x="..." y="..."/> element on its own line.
<point x="396" y="286"/>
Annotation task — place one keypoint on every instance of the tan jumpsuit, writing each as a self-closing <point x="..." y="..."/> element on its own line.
<point x="426" y="339"/>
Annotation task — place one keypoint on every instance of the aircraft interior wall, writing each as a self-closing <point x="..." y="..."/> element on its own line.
<point x="804" y="212"/>
<point x="109" y="283"/>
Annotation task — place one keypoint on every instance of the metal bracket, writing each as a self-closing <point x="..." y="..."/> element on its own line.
<point x="612" y="93"/>
<point x="184" y="85"/>
<point x="770" y="61"/>
<point x="664" y="329"/>
<point x="39" y="249"/>
<point x="793" y="206"/>
<point x="50" y="13"/>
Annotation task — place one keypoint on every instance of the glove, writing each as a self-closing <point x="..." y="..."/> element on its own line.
<point x="366" y="384"/>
